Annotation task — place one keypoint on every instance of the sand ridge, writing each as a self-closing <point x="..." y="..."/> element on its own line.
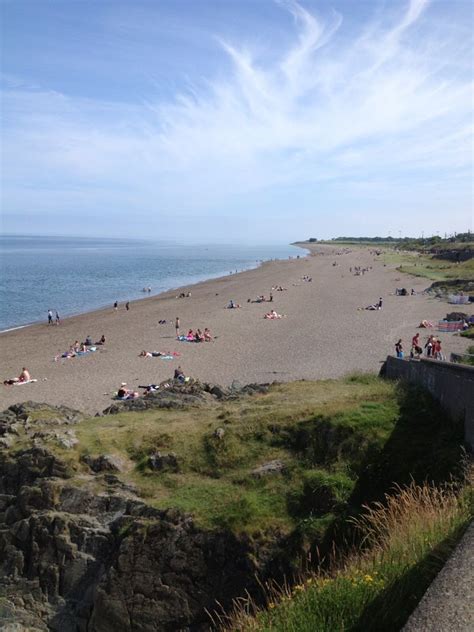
<point x="323" y="335"/>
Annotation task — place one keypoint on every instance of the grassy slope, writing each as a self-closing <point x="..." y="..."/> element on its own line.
<point x="426" y="266"/>
<point x="342" y="441"/>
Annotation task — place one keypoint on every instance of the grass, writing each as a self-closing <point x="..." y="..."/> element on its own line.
<point x="334" y="437"/>
<point x="427" y="266"/>
<point x="469" y="333"/>
<point x="406" y="541"/>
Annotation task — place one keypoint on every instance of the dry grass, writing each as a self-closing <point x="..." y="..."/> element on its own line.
<point x="404" y="543"/>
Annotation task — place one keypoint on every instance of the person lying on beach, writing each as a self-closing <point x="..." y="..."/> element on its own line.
<point x="162" y="322"/>
<point x="23" y="378"/>
<point x="232" y="305"/>
<point x="273" y="315"/>
<point x="279" y="288"/>
<point x="199" y="336"/>
<point x="150" y="354"/>
<point x="126" y="393"/>
<point x="207" y="335"/>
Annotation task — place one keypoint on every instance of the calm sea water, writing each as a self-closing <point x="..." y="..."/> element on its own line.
<point x="75" y="275"/>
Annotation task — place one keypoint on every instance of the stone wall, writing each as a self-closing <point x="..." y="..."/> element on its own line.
<point x="451" y="384"/>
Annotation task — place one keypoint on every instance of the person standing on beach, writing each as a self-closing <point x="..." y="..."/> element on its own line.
<point x="115" y="306"/>
<point x="176" y="326"/>
<point x="379" y="306"/>
<point x="399" y="349"/>
<point x="58" y="320"/>
<point x="50" y="317"/>
<point x="127" y="306"/>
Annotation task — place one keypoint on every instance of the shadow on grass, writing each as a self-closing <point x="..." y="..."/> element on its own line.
<point x="426" y="445"/>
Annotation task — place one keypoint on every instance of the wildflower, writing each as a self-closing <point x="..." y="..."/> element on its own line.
<point x="368" y="578"/>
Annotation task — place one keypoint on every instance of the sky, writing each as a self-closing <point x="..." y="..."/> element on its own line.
<point x="246" y="121"/>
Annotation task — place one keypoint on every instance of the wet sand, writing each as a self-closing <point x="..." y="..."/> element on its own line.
<point x="323" y="335"/>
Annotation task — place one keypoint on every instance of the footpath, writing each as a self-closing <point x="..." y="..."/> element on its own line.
<point x="448" y="604"/>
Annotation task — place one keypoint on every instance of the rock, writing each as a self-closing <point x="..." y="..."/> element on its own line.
<point x="105" y="463"/>
<point x="218" y="392"/>
<point x="163" y="462"/>
<point x="272" y="467"/>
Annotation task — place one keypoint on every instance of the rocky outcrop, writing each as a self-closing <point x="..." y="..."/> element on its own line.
<point x="73" y="560"/>
<point x="173" y="394"/>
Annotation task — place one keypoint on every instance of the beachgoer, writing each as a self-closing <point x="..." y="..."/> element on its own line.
<point x="399" y="349"/>
<point x="126" y="393"/>
<point x="198" y="336"/>
<point x="50" y="317"/>
<point x="88" y="342"/>
<point x="379" y="304"/>
<point x="101" y="341"/>
<point x="58" y="320"/>
<point x="115" y="306"/>
<point x="438" y="354"/>
<point x="415" y="345"/>
<point x="190" y="335"/>
<point x="24" y="375"/>
<point x="271" y="298"/>
<point x="176" y="326"/>
<point x="207" y="335"/>
<point x="127" y="306"/>
<point x="179" y="375"/>
<point x="429" y="346"/>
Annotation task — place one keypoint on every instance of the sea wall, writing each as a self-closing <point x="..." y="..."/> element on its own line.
<point x="451" y="384"/>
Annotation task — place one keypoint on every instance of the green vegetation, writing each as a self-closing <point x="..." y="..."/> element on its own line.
<point x="427" y="266"/>
<point x="469" y="333"/>
<point x="340" y="443"/>
<point x="407" y="540"/>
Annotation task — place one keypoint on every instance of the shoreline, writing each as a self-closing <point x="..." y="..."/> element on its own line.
<point x="151" y="295"/>
<point x="324" y="334"/>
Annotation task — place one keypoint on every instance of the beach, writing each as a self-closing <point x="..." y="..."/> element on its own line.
<point x="322" y="335"/>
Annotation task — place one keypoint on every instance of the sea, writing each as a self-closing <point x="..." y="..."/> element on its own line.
<point x="77" y="275"/>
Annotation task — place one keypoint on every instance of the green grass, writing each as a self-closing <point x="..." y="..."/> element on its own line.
<point x="427" y="266"/>
<point x="341" y="442"/>
<point x="469" y="333"/>
<point x="407" y="542"/>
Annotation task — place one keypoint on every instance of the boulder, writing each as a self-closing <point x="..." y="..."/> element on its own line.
<point x="104" y="463"/>
<point x="272" y="467"/>
<point x="163" y="462"/>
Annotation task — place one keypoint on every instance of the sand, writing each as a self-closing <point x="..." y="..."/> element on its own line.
<point x="323" y="335"/>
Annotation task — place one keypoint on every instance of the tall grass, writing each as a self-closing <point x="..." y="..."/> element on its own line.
<point x="403" y="543"/>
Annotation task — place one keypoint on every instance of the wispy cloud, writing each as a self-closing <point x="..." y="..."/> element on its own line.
<point x="373" y="103"/>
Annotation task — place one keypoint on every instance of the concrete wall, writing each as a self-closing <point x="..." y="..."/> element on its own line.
<point x="451" y="384"/>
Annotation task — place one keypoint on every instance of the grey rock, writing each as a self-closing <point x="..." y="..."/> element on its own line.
<point x="163" y="462"/>
<point x="272" y="467"/>
<point x="105" y="463"/>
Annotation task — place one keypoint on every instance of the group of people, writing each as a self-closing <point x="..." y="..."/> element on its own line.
<point x="402" y="291"/>
<point x="56" y="320"/>
<point x="233" y="305"/>
<point x="359" y="270"/>
<point x="184" y="295"/>
<point x="432" y="348"/>
<point x="197" y="336"/>
<point x="261" y="299"/>
<point x="79" y="348"/>
<point x="307" y="278"/>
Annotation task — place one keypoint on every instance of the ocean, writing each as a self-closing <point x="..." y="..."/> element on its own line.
<point x="77" y="275"/>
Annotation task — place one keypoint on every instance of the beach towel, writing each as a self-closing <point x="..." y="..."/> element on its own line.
<point x="447" y="326"/>
<point x="25" y="382"/>
<point x="167" y="357"/>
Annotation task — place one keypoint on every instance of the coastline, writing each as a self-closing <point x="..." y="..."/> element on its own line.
<point x="324" y="335"/>
<point x="196" y="280"/>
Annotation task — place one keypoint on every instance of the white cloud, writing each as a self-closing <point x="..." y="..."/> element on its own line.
<point x="336" y="107"/>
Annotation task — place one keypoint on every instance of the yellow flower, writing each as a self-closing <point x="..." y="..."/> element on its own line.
<point x="368" y="578"/>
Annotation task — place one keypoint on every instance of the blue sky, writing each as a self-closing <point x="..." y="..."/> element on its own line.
<point x="237" y="120"/>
